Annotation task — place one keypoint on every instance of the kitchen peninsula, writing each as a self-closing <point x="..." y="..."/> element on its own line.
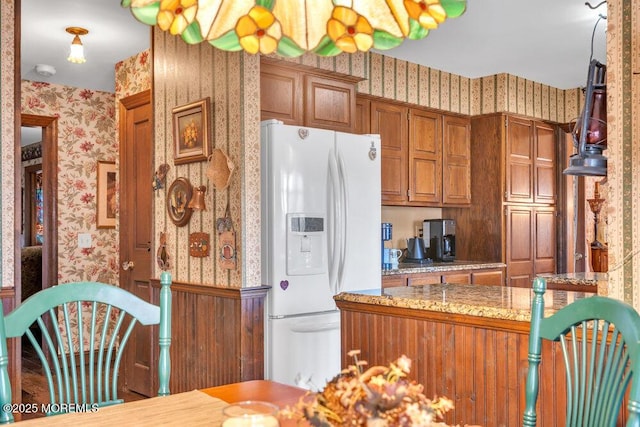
<point x="466" y="342"/>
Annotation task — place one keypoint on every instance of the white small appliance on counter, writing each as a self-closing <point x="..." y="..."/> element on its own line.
<point x="320" y="236"/>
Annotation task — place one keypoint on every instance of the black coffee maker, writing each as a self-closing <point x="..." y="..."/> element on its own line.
<point x="441" y="237"/>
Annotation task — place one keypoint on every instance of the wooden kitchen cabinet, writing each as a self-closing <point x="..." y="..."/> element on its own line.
<point x="390" y="122"/>
<point x="456" y="161"/>
<point x="530" y="161"/>
<point x="297" y="95"/>
<point x="514" y="220"/>
<point x="531" y="243"/>
<point x="425" y="153"/>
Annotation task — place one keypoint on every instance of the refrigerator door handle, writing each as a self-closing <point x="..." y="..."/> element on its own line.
<point x="328" y="326"/>
<point x="342" y="220"/>
<point x="332" y="215"/>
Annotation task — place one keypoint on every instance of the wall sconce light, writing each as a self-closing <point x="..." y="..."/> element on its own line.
<point x="76" y="52"/>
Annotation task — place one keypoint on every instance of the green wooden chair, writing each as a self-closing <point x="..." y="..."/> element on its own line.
<point x="96" y="383"/>
<point x="598" y="371"/>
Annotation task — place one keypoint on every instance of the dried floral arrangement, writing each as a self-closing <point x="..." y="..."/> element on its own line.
<point x="380" y="396"/>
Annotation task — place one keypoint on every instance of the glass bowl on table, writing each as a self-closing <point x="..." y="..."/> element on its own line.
<point x="250" y="413"/>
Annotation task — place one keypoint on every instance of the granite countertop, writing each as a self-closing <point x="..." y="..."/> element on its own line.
<point x="438" y="267"/>
<point x="497" y="302"/>
<point x="587" y="279"/>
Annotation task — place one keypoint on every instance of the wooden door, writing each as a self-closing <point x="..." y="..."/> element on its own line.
<point x="136" y="203"/>
<point x="519" y="160"/>
<point x="456" y="161"/>
<point x="390" y="122"/>
<point x="519" y="247"/>
<point x="545" y="164"/>
<point x="425" y="157"/>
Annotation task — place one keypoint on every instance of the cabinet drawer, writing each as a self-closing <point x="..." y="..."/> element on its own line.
<point x="488" y="278"/>
<point x="424" y="279"/>
<point x="394" y="281"/>
<point x="458" y="278"/>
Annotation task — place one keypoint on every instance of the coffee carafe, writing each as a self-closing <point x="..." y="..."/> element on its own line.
<point x="415" y="249"/>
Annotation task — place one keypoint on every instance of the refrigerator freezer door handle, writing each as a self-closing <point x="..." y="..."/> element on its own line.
<point x="342" y="222"/>
<point x="316" y="327"/>
<point x="332" y="206"/>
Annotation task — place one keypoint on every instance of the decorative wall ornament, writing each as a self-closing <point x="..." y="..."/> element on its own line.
<point x="220" y="169"/>
<point x="160" y="176"/>
<point x="191" y="132"/>
<point x="106" y="200"/>
<point x="226" y="241"/>
<point x="178" y="197"/>
<point x="162" y="256"/>
<point x="199" y="244"/>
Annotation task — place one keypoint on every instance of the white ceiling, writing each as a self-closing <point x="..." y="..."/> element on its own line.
<point x="547" y="41"/>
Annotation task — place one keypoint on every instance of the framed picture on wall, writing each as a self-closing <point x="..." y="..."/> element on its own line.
<point x="106" y="195"/>
<point x="191" y="132"/>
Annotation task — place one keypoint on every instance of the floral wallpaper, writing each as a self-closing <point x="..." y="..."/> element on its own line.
<point x="133" y="75"/>
<point x="86" y="134"/>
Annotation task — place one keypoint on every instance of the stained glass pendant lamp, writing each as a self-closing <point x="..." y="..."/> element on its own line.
<point x="291" y="28"/>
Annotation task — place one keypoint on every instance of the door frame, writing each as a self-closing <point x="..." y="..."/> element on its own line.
<point x="49" y="127"/>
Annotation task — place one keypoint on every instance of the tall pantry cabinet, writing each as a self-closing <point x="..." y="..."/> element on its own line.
<point x="512" y="217"/>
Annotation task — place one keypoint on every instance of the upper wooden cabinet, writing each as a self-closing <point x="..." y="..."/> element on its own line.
<point x="390" y="121"/>
<point x="307" y="97"/>
<point x="456" y="161"/>
<point x="425" y="154"/>
<point x="530" y="161"/>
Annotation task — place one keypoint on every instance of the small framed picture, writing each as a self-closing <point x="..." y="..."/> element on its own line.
<point x="191" y="132"/>
<point x="106" y="202"/>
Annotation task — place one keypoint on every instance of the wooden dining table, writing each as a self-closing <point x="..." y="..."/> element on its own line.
<point x="192" y="408"/>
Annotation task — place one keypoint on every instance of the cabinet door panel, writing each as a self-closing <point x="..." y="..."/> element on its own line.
<point x="329" y="104"/>
<point x="280" y="94"/>
<point x="545" y="240"/>
<point x="519" y="256"/>
<point x="519" y="161"/>
<point x="456" y="161"/>
<point x="390" y="121"/>
<point x="545" y="167"/>
<point x="363" y="116"/>
<point x="425" y="165"/>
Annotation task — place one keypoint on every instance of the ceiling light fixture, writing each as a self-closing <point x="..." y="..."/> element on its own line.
<point x="45" y="70"/>
<point x="76" y="52"/>
<point x="291" y="28"/>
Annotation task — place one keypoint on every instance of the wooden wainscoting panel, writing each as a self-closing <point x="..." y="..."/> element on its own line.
<point x="482" y="368"/>
<point x="217" y="335"/>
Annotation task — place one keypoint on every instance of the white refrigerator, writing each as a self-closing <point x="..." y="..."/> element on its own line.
<point x="320" y="201"/>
